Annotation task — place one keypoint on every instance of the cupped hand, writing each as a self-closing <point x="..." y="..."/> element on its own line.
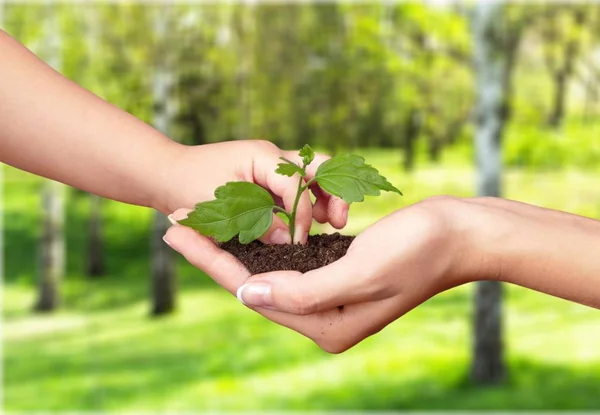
<point x="393" y="266"/>
<point x="195" y="173"/>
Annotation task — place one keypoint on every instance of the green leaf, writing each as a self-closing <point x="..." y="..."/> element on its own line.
<point x="289" y="168"/>
<point x="242" y="208"/>
<point x="307" y="154"/>
<point x="348" y="177"/>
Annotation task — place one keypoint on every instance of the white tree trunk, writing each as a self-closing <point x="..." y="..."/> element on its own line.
<point x="163" y="260"/>
<point x="53" y="240"/>
<point x="491" y="83"/>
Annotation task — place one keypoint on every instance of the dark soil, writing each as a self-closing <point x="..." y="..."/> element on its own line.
<point x="319" y="251"/>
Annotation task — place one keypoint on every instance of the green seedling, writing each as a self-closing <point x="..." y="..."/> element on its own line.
<point x="246" y="209"/>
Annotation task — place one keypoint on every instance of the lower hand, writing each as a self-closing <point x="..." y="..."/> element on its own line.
<point x="393" y="266"/>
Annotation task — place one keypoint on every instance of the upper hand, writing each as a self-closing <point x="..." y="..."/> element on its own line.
<point x="195" y="172"/>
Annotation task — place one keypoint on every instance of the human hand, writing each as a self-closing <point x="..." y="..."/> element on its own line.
<point x="393" y="266"/>
<point x="195" y="172"/>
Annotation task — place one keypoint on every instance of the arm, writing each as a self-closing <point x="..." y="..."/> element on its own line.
<point x="410" y="256"/>
<point x="546" y="250"/>
<point x="51" y="127"/>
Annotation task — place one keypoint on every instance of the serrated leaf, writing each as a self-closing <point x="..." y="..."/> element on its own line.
<point x="351" y="179"/>
<point x="307" y="154"/>
<point x="242" y="208"/>
<point x="289" y="168"/>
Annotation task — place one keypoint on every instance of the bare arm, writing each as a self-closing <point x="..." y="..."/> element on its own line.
<point x="546" y="250"/>
<point x="52" y="127"/>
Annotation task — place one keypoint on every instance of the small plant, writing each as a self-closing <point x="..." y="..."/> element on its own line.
<point x="246" y="209"/>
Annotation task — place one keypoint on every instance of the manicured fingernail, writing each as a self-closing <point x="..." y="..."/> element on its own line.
<point x="280" y="237"/>
<point x="255" y="294"/>
<point x="165" y="239"/>
<point x="173" y="221"/>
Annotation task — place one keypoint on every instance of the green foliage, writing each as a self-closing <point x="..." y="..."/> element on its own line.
<point x="335" y="75"/>
<point x="247" y="209"/>
<point x="307" y="154"/>
<point x="349" y="178"/>
<point x="240" y="208"/>
<point x="289" y="168"/>
<point x="534" y="147"/>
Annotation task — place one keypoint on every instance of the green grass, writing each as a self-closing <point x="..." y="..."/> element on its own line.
<point x="103" y="352"/>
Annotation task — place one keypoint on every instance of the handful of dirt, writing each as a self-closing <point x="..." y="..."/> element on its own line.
<point x="320" y="250"/>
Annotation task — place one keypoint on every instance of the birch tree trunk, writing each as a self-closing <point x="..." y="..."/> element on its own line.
<point x="492" y="85"/>
<point x="53" y="240"/>
<point x="163" y="260"/>
<point x="95" y="257"/>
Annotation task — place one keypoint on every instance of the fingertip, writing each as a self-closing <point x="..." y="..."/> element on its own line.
<point x="179" y="214"/>
<point x="278" y="233"/>
<point x="338" y="212"/>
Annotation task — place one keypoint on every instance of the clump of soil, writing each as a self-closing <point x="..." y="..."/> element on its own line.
<point x="320" y="250"/>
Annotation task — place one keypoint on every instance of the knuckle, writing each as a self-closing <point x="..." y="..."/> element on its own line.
<point x="265" y="145"/>
<point x="302" y="304"/>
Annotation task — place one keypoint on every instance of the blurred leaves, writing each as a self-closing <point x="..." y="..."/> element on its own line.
<point x="337" y="75"/>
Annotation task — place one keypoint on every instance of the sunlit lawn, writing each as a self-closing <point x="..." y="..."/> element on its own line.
<point x="104" y="352"/>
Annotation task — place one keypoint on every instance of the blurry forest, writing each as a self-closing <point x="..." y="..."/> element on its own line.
<point x="484" y="98"/>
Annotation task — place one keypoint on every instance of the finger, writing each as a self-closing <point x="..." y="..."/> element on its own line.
<point x="329" y="208"/>
<point x="320" y="205"/>
<point x="203" y="253"/>
<point x="338" y="284"/>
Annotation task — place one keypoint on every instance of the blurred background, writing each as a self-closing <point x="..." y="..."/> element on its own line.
<point x="444" y="98"/>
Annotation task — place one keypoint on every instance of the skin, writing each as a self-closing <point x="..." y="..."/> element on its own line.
<point x="408" y="257"/>
<point x="52" y="127"/>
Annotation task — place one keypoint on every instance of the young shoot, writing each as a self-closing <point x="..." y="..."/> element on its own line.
<point x="246" y="209"/>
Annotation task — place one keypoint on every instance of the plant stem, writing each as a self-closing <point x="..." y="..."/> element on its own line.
<point x="282" y="210"/>
<point x="301" y="189"/>
<point x="308" y="183"/>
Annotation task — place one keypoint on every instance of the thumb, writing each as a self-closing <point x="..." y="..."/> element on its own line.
<point x="338" y="284"/>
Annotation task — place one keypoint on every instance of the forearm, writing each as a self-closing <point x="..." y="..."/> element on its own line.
<point x="546" y="250"/>
<point x="51" y="127"/>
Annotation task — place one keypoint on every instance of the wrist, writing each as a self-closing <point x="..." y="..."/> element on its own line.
<point x="487" y="237"/>
<point x="162" y="186"/>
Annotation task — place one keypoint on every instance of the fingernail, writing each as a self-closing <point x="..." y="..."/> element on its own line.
<point x="173" y="221"/>
<point x="255" y="294"/>
<point x="165" y="239"/>
<point x="280" y="237"/>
